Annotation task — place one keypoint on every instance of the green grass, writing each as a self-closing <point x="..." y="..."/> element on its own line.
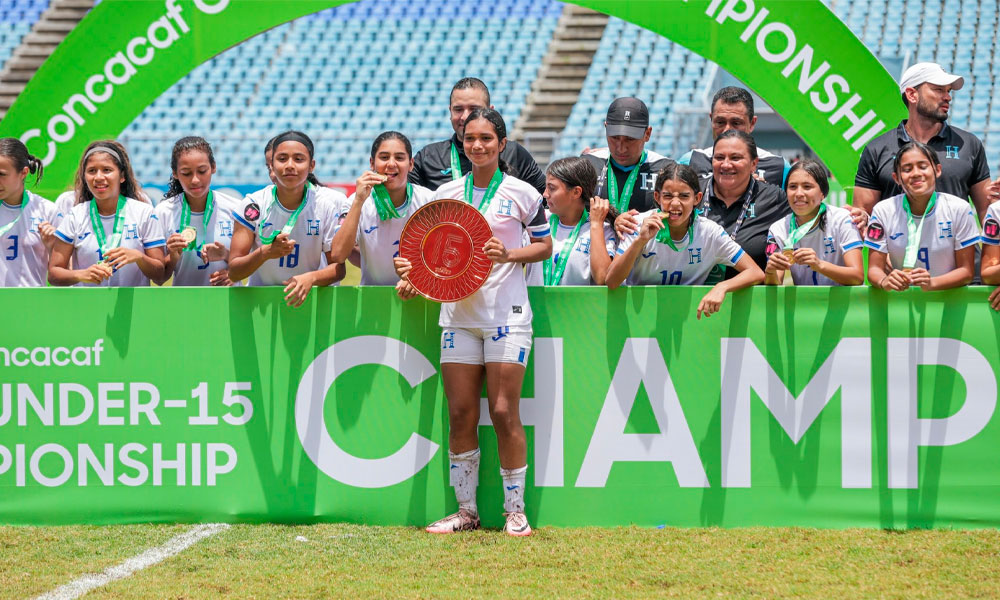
<point x="267" y="561"/>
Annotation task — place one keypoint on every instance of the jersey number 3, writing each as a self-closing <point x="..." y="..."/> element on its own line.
<point x="12" y="249"/>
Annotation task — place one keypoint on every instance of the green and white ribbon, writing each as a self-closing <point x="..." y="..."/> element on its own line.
<point x="795" y="234"/>
<point x="620" y="202"/>
<point x="491" y="190"/>
<point x="554" y="276"/>
<point x="383" y="203"/>
<point x="186" y="218"/>
<point x="914" y="230"/>
<point x="292" y="220"/>
<point x="663" y="235"/>
<point x="103" y="242"/>
<point x="456" y="164"/>
<point x="9" y="226"/>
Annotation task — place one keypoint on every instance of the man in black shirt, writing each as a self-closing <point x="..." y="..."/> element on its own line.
<point x="445" y="161"/>
<point x="926" y="89"/>
<point x="732" y="108"/>
<point x="626" y="169"/>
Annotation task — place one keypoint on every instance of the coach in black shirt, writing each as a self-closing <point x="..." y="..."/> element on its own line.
<point x="926" y="90"/>
<point x="732" y="108"/>
<point x="436" y="164"/>
<point x="745" y="207"/>
<point x="626" y="169"/>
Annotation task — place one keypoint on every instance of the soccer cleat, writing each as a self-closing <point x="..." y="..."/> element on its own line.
<point x="517" y="524"/>
<point x="463" y="520"/>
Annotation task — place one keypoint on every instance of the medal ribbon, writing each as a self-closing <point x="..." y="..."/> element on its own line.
<point x="456" y="165"/>
<point x="914" y="230"/>
<point x="621" y="203"/>
<point x="797" y="233"/>
<point x="186" y="218"/>
<point x="663" y="235"/>
<point x="553" y="278"/>
<point x="9" y="226"/>
<point x="103" y="242"/>
<point x="491" y="190"/>
<point x="292" y="220"/>
<point x="383" y="204"/>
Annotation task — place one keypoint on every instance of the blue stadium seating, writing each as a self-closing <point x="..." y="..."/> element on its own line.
<point x="344" y="75"/>
<point x="16" y="19"/>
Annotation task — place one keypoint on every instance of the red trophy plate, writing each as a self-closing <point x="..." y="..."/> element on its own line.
<point x="444" y="241"/>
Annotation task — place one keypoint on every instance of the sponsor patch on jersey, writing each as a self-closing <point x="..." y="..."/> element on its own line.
<point x="991" y="228"/>
<point x="516" y="310"/>
<point x="772" y="246"/>
<point x="875" y="232"/>
<point x="251" y="212"/>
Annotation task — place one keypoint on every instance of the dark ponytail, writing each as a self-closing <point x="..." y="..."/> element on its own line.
<point x="15" y="150"/>
<point x="185" y="144"/>
<point x="499" y="128"/>
<point x="577" y="171"/>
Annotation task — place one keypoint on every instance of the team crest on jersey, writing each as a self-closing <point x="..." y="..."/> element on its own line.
<point x="251" y="212"/>
<point x="991" y="228"/>
<point x="875" y="232"/>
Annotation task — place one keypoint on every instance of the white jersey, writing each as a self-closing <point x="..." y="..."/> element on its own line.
<point x="991" y="226"/>
<point x="141" y="230"/>
<point x="503" y="298"/>
<point x="313" y="232"/>
<point x="690" y="264"/>
<point x="378" y="240"/>
<point x="24" y="259"/>
<point x="192" y="270"/>
<point x="64" y="205"/>
<point x="578" y="267"/>
<point x="830" y="243"/>
<point x="951" y="227"/>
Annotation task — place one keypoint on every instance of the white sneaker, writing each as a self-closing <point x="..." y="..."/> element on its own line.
<point x="517" y="524"/>
<point x="463" y="520"/>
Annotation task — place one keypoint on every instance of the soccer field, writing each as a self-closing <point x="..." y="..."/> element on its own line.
<point x="339" y="561"/>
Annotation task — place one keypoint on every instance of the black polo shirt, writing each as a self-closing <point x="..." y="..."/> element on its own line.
<point x="432" y="165"/>
<point x="772" y="167"/>
<point x="768" y="204"/>
<point x="963" y="161"/>
<point x="645" y="183"/>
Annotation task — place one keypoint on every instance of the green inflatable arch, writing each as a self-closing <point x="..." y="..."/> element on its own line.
<point x="795" y="54"/>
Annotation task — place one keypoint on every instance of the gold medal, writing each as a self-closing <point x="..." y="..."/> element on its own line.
<point x="189" y="234"/>
<point x="789" y="254"/>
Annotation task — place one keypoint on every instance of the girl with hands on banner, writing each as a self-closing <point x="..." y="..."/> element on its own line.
<point x="677" y="246"/>
<point x="112" y="238"/>
<point x="819" y="244"/>
<point x="990" y="268"/>
<point x="283" y="231"/>
<point x="578" y="220"/>
<point x="26" y="232"/>
<point x="920" y="238"/>
<point x="199" y="220"/>
<point x="382" y="203"/>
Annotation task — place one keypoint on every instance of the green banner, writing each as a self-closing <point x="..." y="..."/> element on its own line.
<point x="827" y="407"/>
<point x="796" y="54"/>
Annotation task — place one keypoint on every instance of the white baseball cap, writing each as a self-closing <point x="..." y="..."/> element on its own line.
<point x="928" y="73"/>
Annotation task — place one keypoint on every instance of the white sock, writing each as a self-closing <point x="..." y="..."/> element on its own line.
<point x="464" y="475"/>
<point x="513" y="488"/>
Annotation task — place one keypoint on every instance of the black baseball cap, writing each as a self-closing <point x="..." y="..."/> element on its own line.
<point x="627" y="116"/>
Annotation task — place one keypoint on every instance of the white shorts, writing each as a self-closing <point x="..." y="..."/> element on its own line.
<point x="509" y="344"/>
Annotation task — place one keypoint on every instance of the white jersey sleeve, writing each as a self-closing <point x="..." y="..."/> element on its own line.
<point x="991" y="225"/>
<point x="875" y="235"/>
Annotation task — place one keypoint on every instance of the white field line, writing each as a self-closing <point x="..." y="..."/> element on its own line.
<point x="172" y="547"/>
